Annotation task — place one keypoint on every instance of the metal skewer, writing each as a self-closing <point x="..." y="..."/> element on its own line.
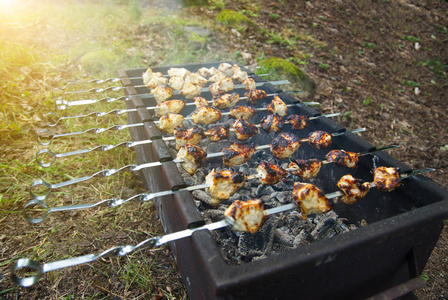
<point x="157" y="241"/>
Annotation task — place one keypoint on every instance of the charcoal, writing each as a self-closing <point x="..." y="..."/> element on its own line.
<point x="302" y="238"/>
<point x="283" y="237"/>
<point x="278" y="248"/>
<point x="259" y="243"/>
<point x="281" y="197"/>
<point x="201" y="195"/>
<point x="263" y="190"/>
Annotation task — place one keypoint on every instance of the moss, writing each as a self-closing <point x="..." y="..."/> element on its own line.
<point x="233" y="18"/>
<point x="281" y="65"/>
<point x="98" y="60"/>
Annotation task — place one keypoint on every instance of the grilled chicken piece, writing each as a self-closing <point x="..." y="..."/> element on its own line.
<point x="386" y="179"/>
<point x="297" y="122"/>
<point x="156" y="81"/>
<point x="305" y="169"/>
<point x="217" y="77"/>
<point x="270" y="173"/>
<point x="354" y="189"/>
<point x="272" y="123"/>
<point x="239" y="76"/>
<point x="197" y="79"/>
<point x="169" y="121"/>
<point x="223" y="184"/>
<point x="178" y="72"/>
<point x="244" y="130"/>
<point x="310" y="199"/>
<point x="206" y="115"/>
<point x="277" y="106"/>
<point x="193" y="157"/>
<point x="221" y="87"/>
<point x="176" y="83"/>
<point x="217" y="133"/>
<point x="162" y="93"/>
<point x="343" y="158"/>
<point x="284" y="145"/>
<point x="226" y="68"/>
<point x="193" y="136"/>
<point x="200" y="101"/>
<point x="244" y="112"/>
<point x="226" y="100"/>
<point x="245" y="216"/>
<point x="147" y="76"/>
<point x="254" y="95"/>
<point x="237" y="154"/>
<point x="207" y="73"/>
<point x="191" y="90"/>
<point x="320" y="139"/>
<point x="249" y="83"/>
<point x="170" y="106"/>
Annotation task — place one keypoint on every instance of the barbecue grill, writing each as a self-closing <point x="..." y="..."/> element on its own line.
<point x="385" y="256"/>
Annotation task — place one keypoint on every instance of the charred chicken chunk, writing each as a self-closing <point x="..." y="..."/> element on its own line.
<point x="244" y="112"/>
<point x="249" y="83"/>
<point x="237" y="154"/>
<point x="386" y="179"/>
<point x="239" y="76"/>
<point x="178" y="72"/>
<point x="217" y="77"/>
<point x="284" y="145"/>
<point x="223" y="184"/>
<point x="156" y="81"/>
<point x="170" y="106"/>
<point x="195" y="78"/>
<point x="217" y="133"/>
<point x="310" y="199"/>
<point x="254" y="95"/>
<point x="245" y="216"/>
<point x="277" y="106"/>
<point x="191" y="90"/>
<point x="343" y="158"/>
<point x="147" y="76"/>
<point x="272" y="123"/>
<point x="320" y="139"/>
<point x="244" y="130"/>
<point x="226" y="100"/>
<point x="193" y="136"/>
<point x="297" y="122"/>
<point x="354" y="189"/>
<point x="207" y="73"/>
<point x="270" y="173"/>
<point x="192" y="157"/>
<point x="200" y="101"/>
<point x="162" y="93"/>
<point x="226" y="68"/>
<point x="305" y="169"/>
<point x="169" y="121"/>
<point x="206" y="115"/>
<point x="176" y="83"/>
<point x="221" y="87"/>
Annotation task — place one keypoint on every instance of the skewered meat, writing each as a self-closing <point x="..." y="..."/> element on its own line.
<point x="217" y="133"/>
<point x="272" y="123"/>
<point x="176" y="83"/>
<point x="249" y="83"/>
<point x="226" y="100"/>
<point x="297" y="122"/>
<point x="277" y="106"/>
<point x="244" y="130"/>
<point x="254" y="95"/>
<point x="178" y="72"/>
<point x="320" y="139"/>
<point x="162" y="93"/>
<point x="206" y="115"/>
<point x="343" y="158"/>
<point x="170" y="106"/>
<point x="193" y="136"/>
<point x="305" y="169"/>
<point x="386" y="179"/>
<point x="244" y="112"/>
<point x="354" y="189"/>
<point x="193" y="157"/>
<point x="270" y="173"/>
<point x="156" y="80"/>
<point x="207" y="73"/>
<point x="223" y="184"/>
<point x="237" y="154"/>
<point x="191" y="90"/>
<point x="310" y="199"/>
<point x="200" y="101"/>
<point x="247" y="216"/>
<point x="169" y="121"/>
<point x="195" y="78"/>
<point x="239" y="75"/>
<point x="147" y="76"/>
<point x="217" y="77"/>
<point x="226" y="68"/>
<point x="221" y="87"/>
<point x="284" y="145"/>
